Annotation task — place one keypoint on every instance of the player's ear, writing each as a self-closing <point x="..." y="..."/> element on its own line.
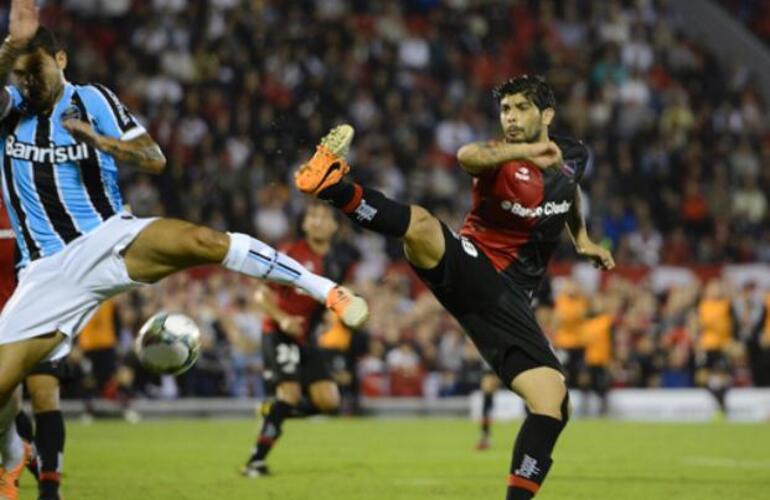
<point x="61" y="60"/>
<point x="548" y="115"/>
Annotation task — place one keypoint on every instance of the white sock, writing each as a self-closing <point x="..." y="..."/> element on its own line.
<point x="251" y="257"/>
<point x="11" y="446"/>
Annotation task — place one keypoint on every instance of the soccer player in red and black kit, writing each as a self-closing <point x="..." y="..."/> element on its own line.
<point x="293" y="363"/>
<point x="525" y="191"/>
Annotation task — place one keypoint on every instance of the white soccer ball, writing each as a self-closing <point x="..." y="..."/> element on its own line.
<point x="168" y="343"/>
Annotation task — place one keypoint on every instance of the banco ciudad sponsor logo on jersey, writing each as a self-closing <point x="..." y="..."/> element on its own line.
<point x="548" y="208"/>
<point x="41" y="154"/>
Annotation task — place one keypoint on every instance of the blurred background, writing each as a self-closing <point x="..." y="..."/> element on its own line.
<point x="237" y="92"/>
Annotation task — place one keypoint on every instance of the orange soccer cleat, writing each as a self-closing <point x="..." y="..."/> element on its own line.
<point x="350" y="308"/>
<point x="327" y="166"/>
<point x="9" y="479"/>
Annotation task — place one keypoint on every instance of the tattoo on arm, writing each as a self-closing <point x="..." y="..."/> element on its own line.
<point x="480" y="156"/>
<point x="142" y="153"/>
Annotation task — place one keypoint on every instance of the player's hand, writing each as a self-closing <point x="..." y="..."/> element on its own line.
<point x="601" y="257"/>
<point x="293" y="325"/>
<point x="81" y="131"/>
<point x="24" y="21"/>
<point x="545" y="154"/>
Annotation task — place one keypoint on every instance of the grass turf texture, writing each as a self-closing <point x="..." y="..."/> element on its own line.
<point x="409" y="459"/>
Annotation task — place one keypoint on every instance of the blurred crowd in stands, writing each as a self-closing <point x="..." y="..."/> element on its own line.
<point x="237" y="92"/>
<point x="755" y="14"/>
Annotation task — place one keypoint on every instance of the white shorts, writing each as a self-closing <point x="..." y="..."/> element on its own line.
<point x="61" y="292"/>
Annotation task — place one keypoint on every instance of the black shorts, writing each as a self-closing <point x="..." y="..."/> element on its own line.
<point x="495" y="312"/>
<point x="337" y="361"/>
<point x="58" y="369"/>
<point x="714" y="360"/>
<point x="286" y="360"/>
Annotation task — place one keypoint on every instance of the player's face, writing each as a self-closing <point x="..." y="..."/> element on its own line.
<point x="521" y="120"/>
<point x="319" y="223"/>
<point x="39" y="77"/>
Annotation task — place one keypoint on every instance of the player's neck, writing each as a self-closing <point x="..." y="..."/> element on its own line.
<point x="321" y="247"/>
<point x="54" y="102"/>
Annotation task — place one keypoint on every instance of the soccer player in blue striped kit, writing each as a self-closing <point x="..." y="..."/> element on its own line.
<point x="61" y="145"/>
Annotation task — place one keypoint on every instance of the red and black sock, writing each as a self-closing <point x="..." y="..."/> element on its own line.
<point x="49" y="442"/>
<point x="486" y="413"/>
<point x="532" y="455"/>
<point x="532" y="452"/>
<point x="369" y="209"/>
<point x="271" y="429"/>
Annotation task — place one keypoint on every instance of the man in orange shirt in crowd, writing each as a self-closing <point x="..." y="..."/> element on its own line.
<point x="597" y="338"/>
<point x="570" y="308"/>
<point x="715" y="337"/>
<point x="763" y="336"/>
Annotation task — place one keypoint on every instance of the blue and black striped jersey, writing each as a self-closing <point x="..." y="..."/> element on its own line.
<point x="54" y="187"/>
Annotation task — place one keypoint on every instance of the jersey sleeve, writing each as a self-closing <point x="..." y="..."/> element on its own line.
<point x="110" y="116"/>
<point x="12" y="99"/>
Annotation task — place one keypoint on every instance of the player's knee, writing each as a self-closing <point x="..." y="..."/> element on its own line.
<point x="44" y="400"/>
<point x="421" y="224"/>
<point x="423" y="242"/>
<point x="289" y="394"/>
<point x="553" y="403"/>
<point x="328" y="403"/>
<point x="9" y="380"/>
<point x="489" y="384"/>
<point x="206" y="244"/>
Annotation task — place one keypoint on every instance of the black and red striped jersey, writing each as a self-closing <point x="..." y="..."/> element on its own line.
<point x="520" y="210"/>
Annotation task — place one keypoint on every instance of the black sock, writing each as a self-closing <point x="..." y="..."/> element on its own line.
<point x="369" y="209"/>
<point x="339" y="194"/>
<point x="486" y="410"/>
<point x="305" y="408"/>
<point x="720" y="394"/>
<point x="271" y="429"/>
<point x="49" y="441"/>
<point x="24" y="427"/>
<point x="532" y="455"/>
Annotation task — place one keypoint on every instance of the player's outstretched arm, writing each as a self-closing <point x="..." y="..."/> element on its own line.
<point x="477" y="157"/>
<point x="576" y="225"/>
<point x="142" y="153"/>
<point x="267" y="303"/>
<point x="22" y="26"/>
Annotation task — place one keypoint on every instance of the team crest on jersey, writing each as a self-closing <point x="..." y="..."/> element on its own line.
<point x="568" y="168"/>
<point x="469" y="247"/>
<point x="71" y="113"/>
<point x="523" y="174"/>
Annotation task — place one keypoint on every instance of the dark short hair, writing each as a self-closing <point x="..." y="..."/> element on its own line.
<point x="44" y="39"/>
<point x="315" y="202"/>
<point x="534" y="88"/>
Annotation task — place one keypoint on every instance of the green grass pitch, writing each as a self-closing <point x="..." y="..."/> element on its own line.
<point x="409" y="459"/>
